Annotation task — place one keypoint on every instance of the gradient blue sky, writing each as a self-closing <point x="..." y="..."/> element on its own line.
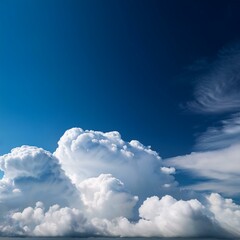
<point x="107" y="65"/>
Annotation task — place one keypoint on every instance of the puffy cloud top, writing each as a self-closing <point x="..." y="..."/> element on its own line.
<point x="56" y="221"/>
<point x="35" y="173"/>
<point x="27" y="161"/>
<point x="85" y="154"/>
<point x="106" y="197"/>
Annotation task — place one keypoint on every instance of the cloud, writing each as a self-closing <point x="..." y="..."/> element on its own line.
<point x="218" y="84"/>
<point x="165" y="217"/>
<point x="96" y="184"/>
<point x="226" y="213"/>
<point x="217" y="92"/>
<point x="56" y="221"/>
<point x="35" y="173"/>
<point x="85" y="154"/>
<point x="168" y="170"/>
<point x="106" y="197"/>
<point x="224" y="135"/>
<point x="220" y="168"/>
<point x="168" y="217"/>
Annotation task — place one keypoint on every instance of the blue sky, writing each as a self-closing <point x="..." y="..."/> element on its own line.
<point x="80" y="79"/>
<point x="109" y="65"/>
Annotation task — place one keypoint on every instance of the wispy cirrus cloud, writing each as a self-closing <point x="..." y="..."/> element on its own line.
<point x="217" y="158"/>
<point x="218" y="86"/>
<point x="225" y="134"/>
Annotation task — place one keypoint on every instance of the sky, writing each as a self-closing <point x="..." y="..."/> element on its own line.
<point x="116" y="116"/>
<point x="106" y="65"/>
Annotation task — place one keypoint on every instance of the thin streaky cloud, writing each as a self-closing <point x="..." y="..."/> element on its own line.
<point x="217" y="89"/>
<point x="219" y="166"/>
<point x="224" y="135"/>
<point x="226" y="187"/>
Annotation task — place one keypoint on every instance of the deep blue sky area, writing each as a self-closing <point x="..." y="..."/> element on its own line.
<point x="106" y="65"/>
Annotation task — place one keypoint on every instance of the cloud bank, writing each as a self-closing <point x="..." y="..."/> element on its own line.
<point x="96" y="184"/>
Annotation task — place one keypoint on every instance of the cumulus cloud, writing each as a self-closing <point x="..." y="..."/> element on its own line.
<point x="226" y="213"/>
<point x="35" y="173"/>
<point x="96" y="184"/>
<point x="106" y="197"/>
<point x="167" y="217"/>
<point x="55" y="221"/>
<point x="220" y="168"/>
<point x="86" y="154"/>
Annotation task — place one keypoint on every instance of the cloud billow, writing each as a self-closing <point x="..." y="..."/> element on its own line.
<point x="85" y="154"/>
<point x="96" y="184"/>
<point x="32" y="174"/>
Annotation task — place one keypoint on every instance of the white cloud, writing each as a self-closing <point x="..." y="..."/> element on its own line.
<point x="168" y="217"/>
<point x="220" y="167"/>
<point x="85" y="154"/>
<point x="165" y="217"/>
<point x="35" y="173"/>
<point x="168" y="170"/>
<point x="56" y="221"/>
<point x="38" y="199"/>
<point x="224" y="135"/>
<point x="218" y="87"/>
<point x="217" y="92"/>
<point x="106" y="197"/>
<point x="226" y="213"/>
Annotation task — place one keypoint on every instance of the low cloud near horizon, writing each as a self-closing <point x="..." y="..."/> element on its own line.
<point x="96" y="184"/>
